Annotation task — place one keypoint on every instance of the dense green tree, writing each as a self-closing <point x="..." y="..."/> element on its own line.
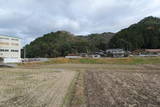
<point x="62" y="43"/>
<point x="143" y="35"/>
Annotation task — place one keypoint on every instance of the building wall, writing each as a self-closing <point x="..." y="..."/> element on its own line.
<point x="73" y="57"/>
<point x="10" y="47"/>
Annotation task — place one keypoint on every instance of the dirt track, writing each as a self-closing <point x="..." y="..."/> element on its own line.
<point x="118" y="88"/>
<point x="34" y="88"/>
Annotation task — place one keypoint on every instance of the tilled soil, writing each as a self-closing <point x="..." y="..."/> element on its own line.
<point x="118" y="88"/>
<point x="34" y="88"/>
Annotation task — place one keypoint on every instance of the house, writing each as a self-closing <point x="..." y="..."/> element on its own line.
<point x="74" y="56"/>
<point x="115" y="53"/>
<point x="153" y="52"/>
<point x="146" y="52"/>
<point x="95" y="56"/>
<point x="101" y="53"/>
<point x="10" y="49"/>
<point x="84" y="55"/>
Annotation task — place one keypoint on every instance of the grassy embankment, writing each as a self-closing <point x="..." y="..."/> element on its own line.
<point x="128" y="60"/>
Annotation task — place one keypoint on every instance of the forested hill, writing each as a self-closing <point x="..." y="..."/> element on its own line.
<point x="143" y="35"/>
<point x="61" y="43"/>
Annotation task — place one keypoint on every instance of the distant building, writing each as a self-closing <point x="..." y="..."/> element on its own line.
<point x="84" y="55"/>
<point x="115" y="53"/>
<point x="10" y="49"/>
<point x="73" y="56"/>
<point x="95" y="56"/>
<point x="146" y="52"/>
<point x="101" y="53"/>
<point x="152" y="52"/>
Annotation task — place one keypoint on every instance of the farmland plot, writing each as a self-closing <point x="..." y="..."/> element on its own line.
<point x="123" y="88"/>
<point x="33" y="87"/>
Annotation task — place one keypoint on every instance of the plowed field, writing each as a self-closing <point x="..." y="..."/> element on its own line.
<point x="123" y="88"/>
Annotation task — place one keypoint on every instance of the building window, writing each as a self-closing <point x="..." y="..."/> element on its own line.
<point x="15" y="44"/>
<point x="4" y="50"/>
<point x="14" y="50"/>
<point x="1" y="50"/>
<point x="4" y="43"/>
<point x="14" y="39"/>
<point x="4" y="38"/>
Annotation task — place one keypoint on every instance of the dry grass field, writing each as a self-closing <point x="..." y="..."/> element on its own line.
<point x="81" y="85"/>
<point x="42" y="87"/>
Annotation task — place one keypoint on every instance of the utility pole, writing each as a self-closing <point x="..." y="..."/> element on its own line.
<point x="24" y="49"/>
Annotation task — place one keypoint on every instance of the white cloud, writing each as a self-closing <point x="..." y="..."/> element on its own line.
<point x="29" y="19"/>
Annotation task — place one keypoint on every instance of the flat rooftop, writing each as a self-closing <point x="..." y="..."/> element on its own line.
<point x="10" y="36"/>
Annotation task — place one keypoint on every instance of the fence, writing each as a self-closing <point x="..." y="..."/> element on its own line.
<point x="34" y="59"/>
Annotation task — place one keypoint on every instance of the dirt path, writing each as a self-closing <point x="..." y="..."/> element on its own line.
<point x="48" y="91"/>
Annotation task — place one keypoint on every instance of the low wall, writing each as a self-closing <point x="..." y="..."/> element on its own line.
<point x="34" y="59"/>
<point x="73" y="57"/>
<point x="12" y="60"/>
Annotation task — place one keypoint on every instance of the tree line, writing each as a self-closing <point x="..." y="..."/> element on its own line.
<point x="143" y="35"/>
<point x="62" y="43"/>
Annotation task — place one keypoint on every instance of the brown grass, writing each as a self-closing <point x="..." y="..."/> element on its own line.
<point x="33" y="87"/>
<point x="127" y="60"/>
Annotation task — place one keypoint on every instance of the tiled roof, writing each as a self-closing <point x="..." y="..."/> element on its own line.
<point x="152" y="50"/>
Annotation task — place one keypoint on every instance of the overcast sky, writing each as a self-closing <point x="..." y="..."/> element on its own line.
<point x="29" y="19"/>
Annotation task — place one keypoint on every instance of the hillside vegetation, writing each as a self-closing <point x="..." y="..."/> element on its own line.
<point x="143" y="35"/>
<point x="62" y="43"/>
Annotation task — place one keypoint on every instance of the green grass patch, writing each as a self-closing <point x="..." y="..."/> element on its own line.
<point x="70" y="94"/>
<point x="128" y="60"/>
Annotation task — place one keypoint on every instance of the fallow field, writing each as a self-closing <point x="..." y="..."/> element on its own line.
<point x="20" y="87"/>
<point x="82" y="83"/>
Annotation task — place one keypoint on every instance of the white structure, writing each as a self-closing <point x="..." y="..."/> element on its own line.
<point x="116" y="52"/>
<point x="95" y="56"/>
<point x="73" y="57"/>
<point x="10" y="49"/>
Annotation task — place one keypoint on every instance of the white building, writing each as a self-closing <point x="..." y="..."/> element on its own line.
<point x="10" y="49"/>
<point x="95" y="56"/>
<point x="115" y="52"/>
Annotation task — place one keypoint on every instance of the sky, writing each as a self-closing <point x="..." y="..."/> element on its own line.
<point x="29" y="19"/>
